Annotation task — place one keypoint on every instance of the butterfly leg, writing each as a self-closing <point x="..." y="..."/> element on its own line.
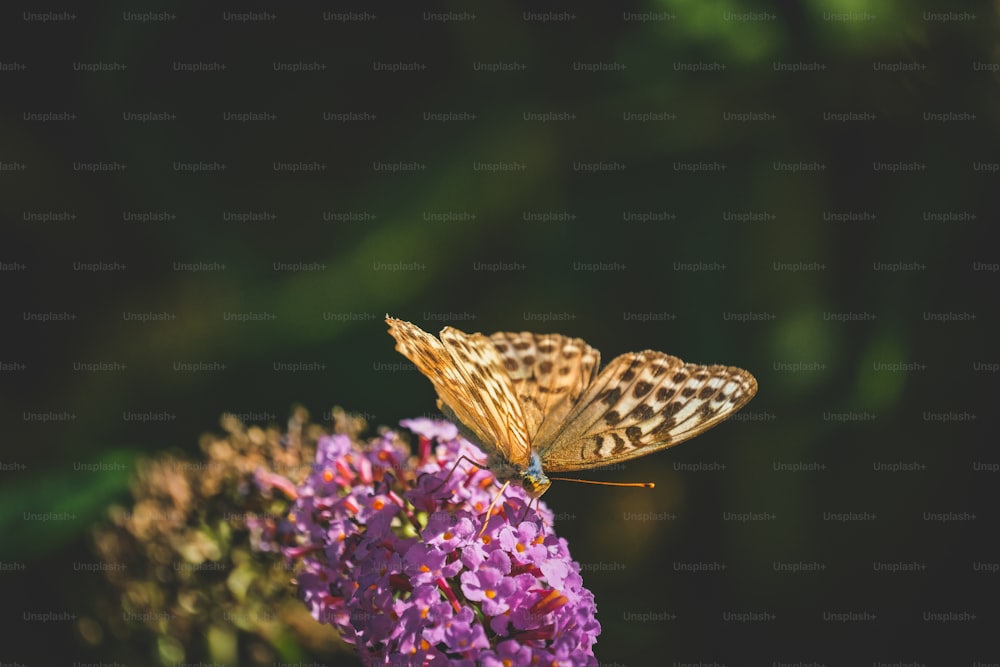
<point x="489" y="510"/>
<point x="527" y="508"/>
<point x="452" y="471"/>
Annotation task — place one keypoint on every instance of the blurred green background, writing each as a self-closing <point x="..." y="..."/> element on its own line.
<point x="354" y="218"/>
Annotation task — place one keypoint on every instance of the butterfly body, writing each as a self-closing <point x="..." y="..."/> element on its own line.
<point x="531" y="477"/>
<point x="537" y="403"/>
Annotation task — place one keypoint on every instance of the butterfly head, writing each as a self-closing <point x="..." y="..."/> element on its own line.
<point x="535" y="486"/>
<point x="533" y="480"/>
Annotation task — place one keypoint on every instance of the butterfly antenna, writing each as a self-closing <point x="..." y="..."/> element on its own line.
<point x="641" y="485"/>
<point x="489" y="510"/>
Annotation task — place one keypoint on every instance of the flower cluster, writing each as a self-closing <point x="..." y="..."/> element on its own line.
<point x="393" y="552"/>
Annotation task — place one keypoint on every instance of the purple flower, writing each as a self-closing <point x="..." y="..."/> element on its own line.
<point x="390" y="553"/>
<point x="490" y="588"/>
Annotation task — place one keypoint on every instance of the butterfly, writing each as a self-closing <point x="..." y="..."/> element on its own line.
<point x="537" y="403"/>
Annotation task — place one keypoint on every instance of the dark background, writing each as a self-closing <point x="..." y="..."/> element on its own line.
<point x="872" y="334"/>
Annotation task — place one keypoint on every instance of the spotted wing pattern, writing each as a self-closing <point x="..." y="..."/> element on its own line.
<point x="516" y="392"/>
<point x="643" y="402"/>
<point x="549" y="373"/>
<point x="469" y="377"/>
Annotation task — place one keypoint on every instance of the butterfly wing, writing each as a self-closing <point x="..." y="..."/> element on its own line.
<point x="549" y="373"/>
<point x="468" y="376"/>
<point x="643" y="402"/>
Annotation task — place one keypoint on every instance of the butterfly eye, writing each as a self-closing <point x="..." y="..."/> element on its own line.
<point x="535" y="486"/>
